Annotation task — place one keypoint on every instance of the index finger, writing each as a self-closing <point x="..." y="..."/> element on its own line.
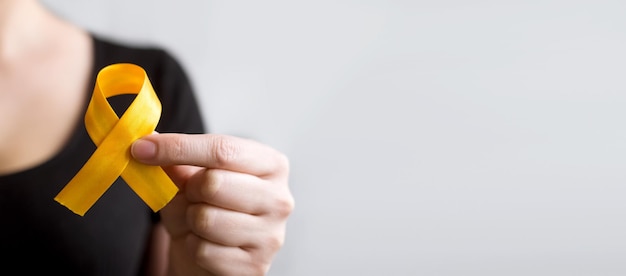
<point x="209" y="151"/>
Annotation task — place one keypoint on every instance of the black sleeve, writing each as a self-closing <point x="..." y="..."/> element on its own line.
<point x="181" y="112"/>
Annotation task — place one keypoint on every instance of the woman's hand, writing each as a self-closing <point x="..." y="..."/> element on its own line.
<point x="230" y="214"/>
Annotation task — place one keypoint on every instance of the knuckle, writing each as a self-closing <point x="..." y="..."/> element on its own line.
<point x="283" y="206"/>
<point x="225" y="150"/>
<point x="261" y="259"/>
<point x="283" y="162"/>
<point x="197" y="249"/>
<point x="274" y="242"/>
<point x="201" y="254"/>
<point x="200" y="218"/>
<point x="258" y="265"/>
<point x="177" y="148"/>
<point x="212" y="185"/>
<point x="260" y="269"/>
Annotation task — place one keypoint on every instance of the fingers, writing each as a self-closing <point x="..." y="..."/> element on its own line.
<point x="210" y="151"/>
<point x="225" y="260"/>
<point x="230" y="213"/>
<point x="226" y="242"/>
<point x="237" y="204"/>
<point x="229" y="228"/>
<point x="238" y="191"/>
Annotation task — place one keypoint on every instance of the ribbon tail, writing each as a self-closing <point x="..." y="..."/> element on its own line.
<point x="150" y="183"/>
<point x="91" y="182"/>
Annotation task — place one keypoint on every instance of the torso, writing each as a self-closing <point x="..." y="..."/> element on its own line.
<point x="112" y="237"/>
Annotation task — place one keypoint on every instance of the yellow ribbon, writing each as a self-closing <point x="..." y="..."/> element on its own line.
<point x="113" y="137"/>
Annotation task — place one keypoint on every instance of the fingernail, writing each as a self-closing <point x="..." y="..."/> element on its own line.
<point x="143" y="149"/>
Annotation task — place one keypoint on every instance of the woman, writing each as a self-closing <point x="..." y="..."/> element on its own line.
<point x="227" y="219"/>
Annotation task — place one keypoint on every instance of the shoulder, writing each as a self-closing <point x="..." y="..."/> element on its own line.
<point x="159" y="63"/>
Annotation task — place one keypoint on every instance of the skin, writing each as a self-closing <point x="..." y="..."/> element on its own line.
<point x="45" y="64"/>
<point x="230" y="214"/>
<point x="229" y="217"/>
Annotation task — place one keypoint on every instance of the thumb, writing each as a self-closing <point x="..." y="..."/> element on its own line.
<point x="166" y="149"/>
<point x="209" y="151"/>
<point x="144" y="150"/>
<point x="172" y="149"/>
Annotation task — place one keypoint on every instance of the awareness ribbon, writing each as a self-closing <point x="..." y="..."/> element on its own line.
<point x="113" y="137"/>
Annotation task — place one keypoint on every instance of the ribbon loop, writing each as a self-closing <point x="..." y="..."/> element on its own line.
<point x="113" y="137"/>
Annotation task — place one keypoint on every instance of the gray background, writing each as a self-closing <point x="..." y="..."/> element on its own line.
<point x="426" y="137"/>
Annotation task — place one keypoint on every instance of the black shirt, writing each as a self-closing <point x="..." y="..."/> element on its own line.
<point x="39" y="236"/>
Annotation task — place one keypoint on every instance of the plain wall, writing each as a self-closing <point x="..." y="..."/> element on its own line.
<point x="426" y="137"/>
